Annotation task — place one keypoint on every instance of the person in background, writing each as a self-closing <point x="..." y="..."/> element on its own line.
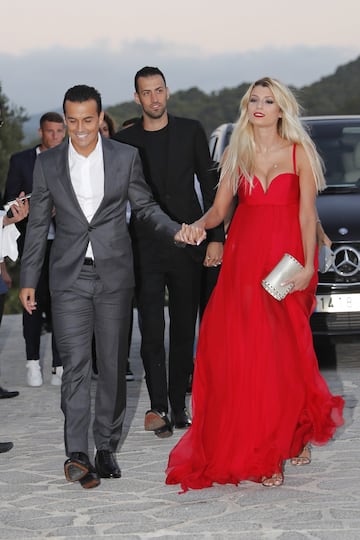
<point x="5" y="284"/>
<point x="256" y="370"/>
<point x="173" y="150"/>
<point x="20" y="178"/>
<point x="107" y="128"/>
<point x="91" y="274"/>
<point x="8" y="247"/>
<point x="129" y="374"/>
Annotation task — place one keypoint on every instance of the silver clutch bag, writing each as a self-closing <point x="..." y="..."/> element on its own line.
<point x="286" y="268"/>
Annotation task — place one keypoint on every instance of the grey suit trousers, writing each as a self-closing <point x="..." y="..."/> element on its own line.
<point x="77" y="313"/>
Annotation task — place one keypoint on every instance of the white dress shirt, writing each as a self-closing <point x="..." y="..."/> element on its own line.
<point x="87" y="178"/>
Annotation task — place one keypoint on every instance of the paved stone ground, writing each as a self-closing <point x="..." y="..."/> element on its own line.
<point x="317" y="502"/>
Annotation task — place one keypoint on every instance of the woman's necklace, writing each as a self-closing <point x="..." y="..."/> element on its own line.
<point x="271" y="150"/>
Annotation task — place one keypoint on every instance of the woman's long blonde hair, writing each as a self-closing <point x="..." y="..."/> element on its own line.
<point x="239" y="159"/>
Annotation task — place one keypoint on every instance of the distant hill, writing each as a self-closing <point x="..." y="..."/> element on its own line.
<point x="334" y="94"/>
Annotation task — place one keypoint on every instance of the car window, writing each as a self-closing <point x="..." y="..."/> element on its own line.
<point x="219" y="140"/>
<point x="338" y="144"/>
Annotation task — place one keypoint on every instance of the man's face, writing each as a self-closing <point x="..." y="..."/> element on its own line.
<point x="83" y="124"/>
<point x="152" y="95"/>
<point x="52" y="134"/>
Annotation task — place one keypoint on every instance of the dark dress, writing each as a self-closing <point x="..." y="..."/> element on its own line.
<point x="258" y="395"/>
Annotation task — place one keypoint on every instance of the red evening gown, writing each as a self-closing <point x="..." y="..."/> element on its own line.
<point x="258" y="396"/>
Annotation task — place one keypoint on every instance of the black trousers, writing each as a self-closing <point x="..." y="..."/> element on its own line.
<point x="181" y="276"/>
<point x="32" y="324"/>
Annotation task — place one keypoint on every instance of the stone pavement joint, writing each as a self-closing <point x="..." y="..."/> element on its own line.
<point x="318" y="502"/>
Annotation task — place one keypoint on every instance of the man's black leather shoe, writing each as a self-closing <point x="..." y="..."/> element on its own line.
<point x="164" y="432"/>
<point x="181" y="419"/>
<point x="91" y="479"/>
<point x="158" y="422"/>
<point x="106" y="464"/>
<point x="7" y="394"/>
<point x="5" y="447"/>
<point x="77" y="466"/>
<point x="155" y="419"/>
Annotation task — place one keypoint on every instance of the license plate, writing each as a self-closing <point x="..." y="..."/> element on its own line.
<point x="328" y="303"/>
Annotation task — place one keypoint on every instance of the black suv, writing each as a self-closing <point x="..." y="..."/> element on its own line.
<point x="337" y="139"/>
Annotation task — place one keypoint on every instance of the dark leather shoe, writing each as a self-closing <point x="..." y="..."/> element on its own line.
<point x="91" y="479"/>
<point x="155" y="419"/>
<point x="164" y="432"/>
<point x="7" y="394"/>
<point x="77" y="466"/>
<point x="5" y="447"/>
<point x="106" y="464"/>
<point x="181" y="419"/>
<point x="158" y="422"/>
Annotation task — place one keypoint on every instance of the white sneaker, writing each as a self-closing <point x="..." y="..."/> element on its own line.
<point x="57" y="376"/>
<point x="34" y="375"/>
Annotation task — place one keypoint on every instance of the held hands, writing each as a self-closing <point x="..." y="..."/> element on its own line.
<point x="191" y="234"/>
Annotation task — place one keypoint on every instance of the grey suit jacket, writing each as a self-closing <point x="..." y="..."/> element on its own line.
<point x="107" y="231"/>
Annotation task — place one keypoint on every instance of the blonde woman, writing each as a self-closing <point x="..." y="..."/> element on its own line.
<point x="258" y="396"/>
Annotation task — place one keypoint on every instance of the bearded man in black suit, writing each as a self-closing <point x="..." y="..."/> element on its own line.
<point x="173" y="150"/>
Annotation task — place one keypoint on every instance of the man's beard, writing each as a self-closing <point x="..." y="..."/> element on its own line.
<point x="155" y="114"/>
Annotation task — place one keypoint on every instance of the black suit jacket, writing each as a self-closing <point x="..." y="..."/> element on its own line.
<point x="188" y="155"/>
<point x="20" y="178"/>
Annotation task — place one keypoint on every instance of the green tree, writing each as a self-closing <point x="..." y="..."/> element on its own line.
<point x="11" y="134"/>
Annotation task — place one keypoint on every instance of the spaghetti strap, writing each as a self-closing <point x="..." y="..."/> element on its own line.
<point x="294" y="157"/>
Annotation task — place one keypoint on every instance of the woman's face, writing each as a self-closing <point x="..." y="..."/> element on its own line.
<point x="104" y="130"/>
<point x="262" y="107"/>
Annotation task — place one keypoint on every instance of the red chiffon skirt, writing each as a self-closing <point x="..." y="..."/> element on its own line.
<point x="258" y="395"/>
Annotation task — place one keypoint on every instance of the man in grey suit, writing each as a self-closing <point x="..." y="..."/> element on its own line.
<point x="89" y="179"/>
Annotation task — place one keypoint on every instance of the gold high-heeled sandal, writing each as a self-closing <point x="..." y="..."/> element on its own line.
<point x="304" y="458"/>
<point x="276" y="480"/>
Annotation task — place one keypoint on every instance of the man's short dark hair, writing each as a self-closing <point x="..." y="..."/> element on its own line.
<point x="81" y="93"/>
<point x="51" y="117"/>
<point x="148" y="71"/>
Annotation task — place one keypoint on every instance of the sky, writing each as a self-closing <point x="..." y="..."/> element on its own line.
<point x="46" y="47"/>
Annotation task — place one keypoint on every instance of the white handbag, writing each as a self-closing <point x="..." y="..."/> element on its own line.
<point x="286" y="268"/>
